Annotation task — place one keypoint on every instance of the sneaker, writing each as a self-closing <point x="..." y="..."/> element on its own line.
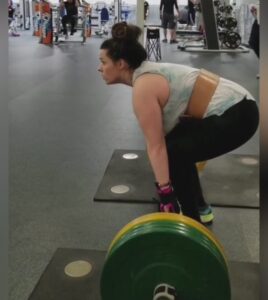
<point x="174" y="42"/>
<point x="164" y="40"/>
<point x="206" y="215"/>
<point x="15" y="34"/>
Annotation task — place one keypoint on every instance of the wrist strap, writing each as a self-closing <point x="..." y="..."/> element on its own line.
<point x="164" y="189"/>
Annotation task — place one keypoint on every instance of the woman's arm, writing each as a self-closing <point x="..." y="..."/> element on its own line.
<point x="147" y="94"/>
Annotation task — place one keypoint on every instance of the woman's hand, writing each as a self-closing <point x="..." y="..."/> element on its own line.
<point x="168" y="199"/>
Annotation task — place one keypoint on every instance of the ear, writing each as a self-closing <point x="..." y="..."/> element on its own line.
<point x="122" y="64"/>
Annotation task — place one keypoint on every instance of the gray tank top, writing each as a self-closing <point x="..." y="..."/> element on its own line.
<point x="181" y="81"/>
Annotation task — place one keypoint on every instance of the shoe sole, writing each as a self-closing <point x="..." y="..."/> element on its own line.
<point x="207" y="219"/>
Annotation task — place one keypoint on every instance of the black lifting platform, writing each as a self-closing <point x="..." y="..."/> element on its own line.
<point x="55" y="284"/>
<point x="230" y="180"/>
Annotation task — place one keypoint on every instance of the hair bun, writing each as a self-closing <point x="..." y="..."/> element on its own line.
<point x="119" y="30"/>
<point x="124" y="31"/>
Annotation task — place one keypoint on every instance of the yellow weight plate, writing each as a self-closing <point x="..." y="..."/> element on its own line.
<point x="167" y="217"/>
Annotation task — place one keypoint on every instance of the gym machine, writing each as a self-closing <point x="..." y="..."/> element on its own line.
<point x="227" y="24"/>
<point x="117" y="11"/>
<point x="83" y="24"/>
<point x="25" y="14"/>
<point x="220" y="33"/>
<point x="42" y="21"/>
<point x="36" y="17"/>
<point x="47" y="23"/>
<point x="103" y="22"/>
<point x="104" y="16"/>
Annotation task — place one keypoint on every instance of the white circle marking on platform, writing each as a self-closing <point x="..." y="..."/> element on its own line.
<point x="120" y="189"/>
<point x="78" y="268"/>
<point x="130" y="156"/>
<point x="249" y="161"/>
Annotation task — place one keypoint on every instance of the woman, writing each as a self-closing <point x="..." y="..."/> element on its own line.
<point x="11" y="11"/>
<point x="191" y="12"/>
<point x="199" y="22"/>
<point x="255" y="32"/>
<point x="254" y="38"/>
<point x="168" y="111"/>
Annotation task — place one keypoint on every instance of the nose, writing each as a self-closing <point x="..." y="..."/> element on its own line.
<point x="99" y="68"/>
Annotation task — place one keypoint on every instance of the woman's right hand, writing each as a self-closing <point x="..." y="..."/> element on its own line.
<point x="168" y="200"/>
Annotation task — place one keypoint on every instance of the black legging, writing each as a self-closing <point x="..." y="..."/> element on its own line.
<point x="197" y="140"/>
<point x="191" y="16"/>
<point x="254" y="39"/>
<point x="68" y="19"/>
<point x="10" y="14"/>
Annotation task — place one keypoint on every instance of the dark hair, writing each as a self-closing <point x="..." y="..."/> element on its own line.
<point x="124" y="44"/>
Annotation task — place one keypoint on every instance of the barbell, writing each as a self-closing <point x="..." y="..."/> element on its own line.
<point x="165" y="256"/>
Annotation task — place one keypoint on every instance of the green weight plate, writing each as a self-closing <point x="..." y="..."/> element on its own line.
<point x="167" y="217"/>
<point x="181" y="228"/>
<point x="164" y="252"/>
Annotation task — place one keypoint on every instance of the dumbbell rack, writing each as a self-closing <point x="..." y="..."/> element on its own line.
<point x="230" y="40"/>
<point x="227" y="25"/>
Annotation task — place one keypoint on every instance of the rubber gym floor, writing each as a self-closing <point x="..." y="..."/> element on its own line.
<point x="65" y="124"/>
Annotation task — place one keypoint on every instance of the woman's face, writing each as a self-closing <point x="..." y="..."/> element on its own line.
<point x="109" y="69"/>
